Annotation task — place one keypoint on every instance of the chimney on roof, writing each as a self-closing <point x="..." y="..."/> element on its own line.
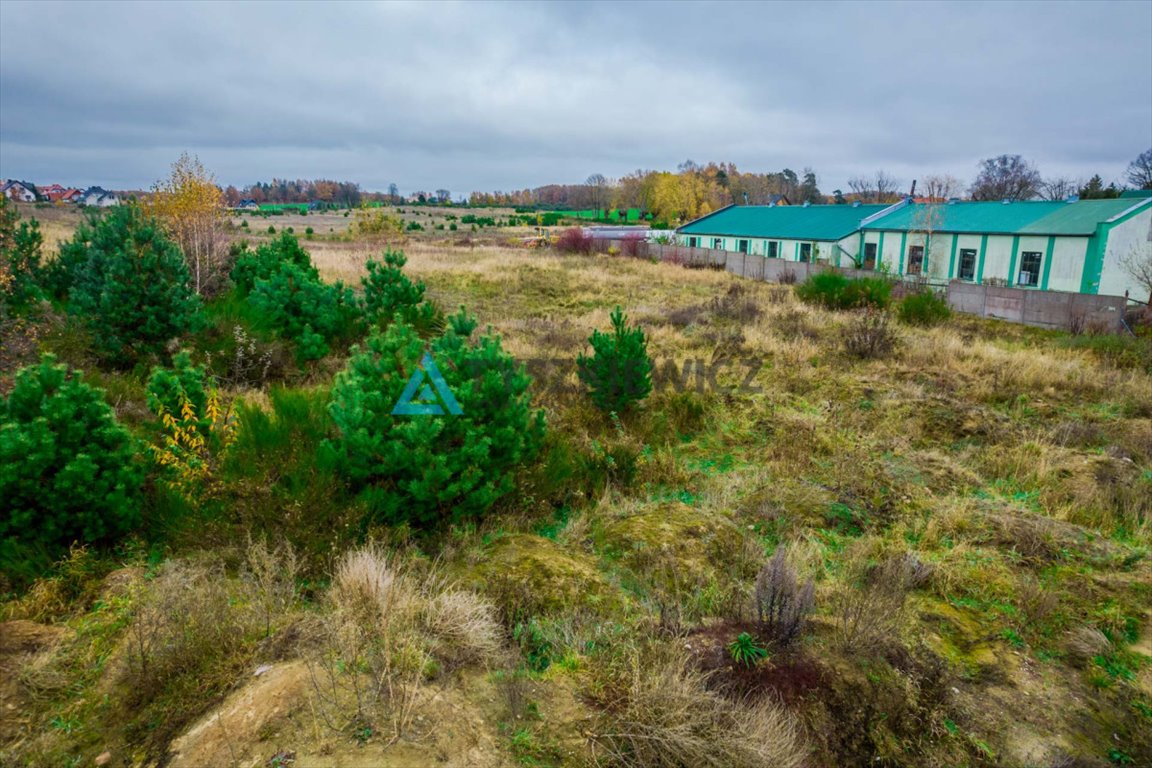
<point x="807" y="203"/>
<point x="856" y="204"/>
<point x="1005" y="202"/>
<point x="912" y="193"/>
<point x="1073" y="199"/>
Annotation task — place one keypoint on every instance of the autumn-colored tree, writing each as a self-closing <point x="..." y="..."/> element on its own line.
<point x="191" y="207"/>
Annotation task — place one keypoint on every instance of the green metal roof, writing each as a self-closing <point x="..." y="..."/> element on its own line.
<point x="1017" y="218"/>
<point x="791" y="222"/>
<point x="975" y="217"/>
<point x="1136" y="193"/>
<point x="1079" y="218"/>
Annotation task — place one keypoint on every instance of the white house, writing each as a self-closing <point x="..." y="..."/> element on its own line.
<point x="99" y="197"/>
<point x="19" y="190"/>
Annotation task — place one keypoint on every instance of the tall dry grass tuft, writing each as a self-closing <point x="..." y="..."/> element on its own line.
<point x="666" y="716"/>
<point x="270" y="574"/>
<point x="464" y="627"/>
<point x="388" y="631"/>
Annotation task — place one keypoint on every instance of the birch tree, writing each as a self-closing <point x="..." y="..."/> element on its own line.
<point x="191" y="207"/>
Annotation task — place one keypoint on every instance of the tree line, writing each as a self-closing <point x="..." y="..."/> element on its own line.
<point x="695" y="190"/>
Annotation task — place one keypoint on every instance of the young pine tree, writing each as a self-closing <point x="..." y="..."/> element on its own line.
<point x="130" y="283"/>
<point x="68" y="469"/>
<point x="619" y="374"/>
<point x="422" y="469"/>
<point x="20" y="269"/>
<point x="387" y="291"/>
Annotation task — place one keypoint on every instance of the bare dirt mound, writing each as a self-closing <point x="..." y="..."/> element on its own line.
<point x="232" y="733"/>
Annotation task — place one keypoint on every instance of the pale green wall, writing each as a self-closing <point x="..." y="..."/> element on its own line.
<point x="1133" y="237"/>
<point x="997" y="257"/>
<point x="787" y="250"/>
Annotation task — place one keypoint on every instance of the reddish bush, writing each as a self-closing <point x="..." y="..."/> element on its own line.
<point x="574" y="240"/>
<point x="631" y="246"/>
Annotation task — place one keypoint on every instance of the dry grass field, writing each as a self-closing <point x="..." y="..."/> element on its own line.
<point x="974" y="510"/>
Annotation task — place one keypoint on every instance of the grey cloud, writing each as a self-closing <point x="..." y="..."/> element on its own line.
<point x="485" y="96"/>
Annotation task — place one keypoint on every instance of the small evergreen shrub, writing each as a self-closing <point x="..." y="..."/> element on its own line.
<point x="71" y="256"/>
<point x="422" y="469"/>
<point x="297" y="305"/>
<point x="833" y="290"/>
<point x="261" y="263"/>
<point x="67" y="467"/>
<point x="271" y="229"/>
<point x="923" y="309"/>
<point x="619" y="373"/>
<point x="130" y="284"/>
<point x="388" y="292"/>
<point x="20" y="268"/>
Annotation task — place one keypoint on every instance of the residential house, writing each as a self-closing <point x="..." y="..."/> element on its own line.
<point x="19" y="190"/>
<point x="99" y="197"/>
<point x="58" y="194"/>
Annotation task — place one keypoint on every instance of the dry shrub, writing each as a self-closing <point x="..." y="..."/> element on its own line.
<point x="777" y="295"/>
<point x="270" y="574"/>
<point x="736" y="304"/>
<point x="870" y="607"/>
<point x="184" y="623"/>
<point x="869" y="335"/>
<point x="787" y="277"/>
<point x="795" y="323"/>
<point x="667" y="717"/>
<point x="464" y="626"/>
<point x="388" y="630"/>
<point x="253" y="362"/>
<point x="1085" y="643"/>
<point x="1037" y="603"/>
<point x="686" y="316"/>
<point x="1034" y="538"/>
<point x="367" y="670"/>
<point x="782" y="605"/>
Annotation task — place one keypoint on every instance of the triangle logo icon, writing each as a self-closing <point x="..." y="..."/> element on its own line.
<point x="426" y="393"/>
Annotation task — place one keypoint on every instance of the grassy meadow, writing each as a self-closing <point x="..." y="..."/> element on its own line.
<point x="973" y="509"/>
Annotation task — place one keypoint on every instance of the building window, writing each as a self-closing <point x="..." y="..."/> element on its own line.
<point x="915" y="259"/>
<point x="718" y="243"/>
<point x="742" y="246"/>
<point x="805" y="251"/>
<point x="693" y="242"/>
<point x="773" y="250"/>
<point x="967" y="263"/>
<point x="1030" y="268"/>
<point x="869" y="255"/>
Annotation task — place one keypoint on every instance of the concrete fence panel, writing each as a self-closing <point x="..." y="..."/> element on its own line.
<point x="1045" y="309"/>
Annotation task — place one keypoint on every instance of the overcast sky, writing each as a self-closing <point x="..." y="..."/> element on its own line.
<point x="481" y="96"/>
